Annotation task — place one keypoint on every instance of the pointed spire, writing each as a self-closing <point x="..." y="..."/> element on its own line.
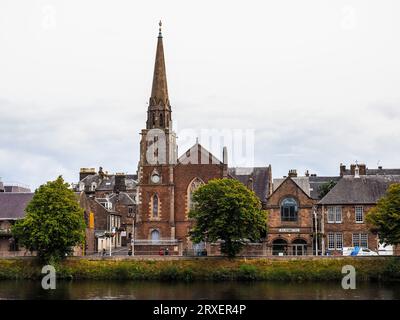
<point x="159" y="91"/>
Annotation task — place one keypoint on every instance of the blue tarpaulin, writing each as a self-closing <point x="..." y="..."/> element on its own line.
<point x="355" y="251"/>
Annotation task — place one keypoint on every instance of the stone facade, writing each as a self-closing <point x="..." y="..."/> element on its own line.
<point x="290" y="237"/>
<point x="347" y="227"/>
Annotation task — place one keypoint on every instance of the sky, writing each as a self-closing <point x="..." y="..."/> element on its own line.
<point x="309" y="84"/>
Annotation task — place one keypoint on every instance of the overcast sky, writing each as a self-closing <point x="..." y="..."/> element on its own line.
<point x="317" y="81"/>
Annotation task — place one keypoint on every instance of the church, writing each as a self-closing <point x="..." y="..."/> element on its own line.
<point x="166" y="182"/>
<point x="160" y="194"/>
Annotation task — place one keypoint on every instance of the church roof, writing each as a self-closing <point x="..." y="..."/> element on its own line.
<point x="197" y="154"/>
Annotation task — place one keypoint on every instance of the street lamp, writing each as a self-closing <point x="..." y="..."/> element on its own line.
<point x="316" y="231"/>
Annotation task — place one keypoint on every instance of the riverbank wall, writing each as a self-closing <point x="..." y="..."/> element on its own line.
<point x="207" y="268"/>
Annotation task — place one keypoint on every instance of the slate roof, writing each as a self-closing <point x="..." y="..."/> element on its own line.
<point x="379" y="171"/>
<point x="261" y="179"/>
<point x="366" y="189"/>
<point x="302" y="182"/>
<point x="124" y="198"/>
<point x="108" y="182"/>
<point x="12" y="205"/>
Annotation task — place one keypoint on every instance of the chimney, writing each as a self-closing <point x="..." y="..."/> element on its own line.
<point x="292" y="173"/>
<point x="120" y="182"/>
<point x="362" y="169"/>
<point x="307" y="173"/>
<point x="342" y="169"/>
<point x="84" y="172"/>
<point x="1" y="186"/>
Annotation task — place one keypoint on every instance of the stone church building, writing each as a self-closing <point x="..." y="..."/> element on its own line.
<point x="160" y="194"/>
<point x="165" y="181"/>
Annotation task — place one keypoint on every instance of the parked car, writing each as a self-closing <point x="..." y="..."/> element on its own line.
<point x="358" y="251"/>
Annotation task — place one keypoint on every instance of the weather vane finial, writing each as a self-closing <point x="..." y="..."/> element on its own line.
<point x="159" y="29"/>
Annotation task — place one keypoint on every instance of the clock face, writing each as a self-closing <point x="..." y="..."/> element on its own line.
<point x="155" y="178"/>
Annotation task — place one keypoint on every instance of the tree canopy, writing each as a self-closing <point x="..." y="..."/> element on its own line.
<point x="54" y="222"/>
<point x="385" y="217"/>
<point x="227" y="210"/>
<point x="325" y="188"/>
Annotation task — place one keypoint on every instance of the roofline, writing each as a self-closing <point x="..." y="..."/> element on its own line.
<point x="294" y="183"/>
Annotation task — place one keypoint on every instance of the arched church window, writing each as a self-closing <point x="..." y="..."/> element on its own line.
<point x="155" y="235"/>
<point x="193" y="186"/>
<point x="161" y="120"/>
<point x="155" y="206"/>
<point x="289" y="209"/>
<point x="153" y="118"/>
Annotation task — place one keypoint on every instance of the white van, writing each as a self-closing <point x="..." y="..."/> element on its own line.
<point x="385" y="250"/>
<point x="358" y="251"/>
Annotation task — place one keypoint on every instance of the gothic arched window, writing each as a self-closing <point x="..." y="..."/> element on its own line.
<point x="161" y="120"/>
<point x="289" y="209"/>
<point x="193" y="186"/>
<point x="155" y="206"/>
<point x="155" y="235"/>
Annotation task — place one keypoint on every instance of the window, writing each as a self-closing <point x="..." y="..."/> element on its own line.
<point x="130" y="211"/>
<point x="339" y="241"/>
<point x="93" y="186"/>
<point x="335" y="214"/>
<point x="331" y="214"/>
<point x="331" y="241"/>
<point x="289" y="210"/>
<point x="360" y="240"/>
<point x="155" y="235"/>
<point x="155" y="206"/>
<point x="193" y="186"/>
<point x="161" y="120"/>
<point x="335" y="241"/>
<point x="359" y="214"/>
<point x="338" y="212"/>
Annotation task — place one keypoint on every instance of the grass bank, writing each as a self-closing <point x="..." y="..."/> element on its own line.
<point x="383" y="269"/>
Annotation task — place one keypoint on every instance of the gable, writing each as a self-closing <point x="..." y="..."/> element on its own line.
<point x="288" y="187"/>
<point x="198" y="155"/>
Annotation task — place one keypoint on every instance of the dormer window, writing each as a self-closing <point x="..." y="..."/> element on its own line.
<point x="93" y="186"/>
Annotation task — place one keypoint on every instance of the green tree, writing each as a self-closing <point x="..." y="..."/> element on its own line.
<point x="54" y="222"/>
<point x="227" y="210"/>
<point x="325" y="188"/>
<point x="384" y="218"/>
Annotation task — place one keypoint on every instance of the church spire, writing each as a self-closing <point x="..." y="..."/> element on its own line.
<point x="159" y="91"/>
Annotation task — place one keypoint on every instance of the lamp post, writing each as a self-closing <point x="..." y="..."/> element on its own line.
<point x="316" y="231"/>
<point x="133" y="235"/>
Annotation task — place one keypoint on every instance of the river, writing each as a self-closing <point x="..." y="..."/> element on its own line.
<point x="78" y="290"/>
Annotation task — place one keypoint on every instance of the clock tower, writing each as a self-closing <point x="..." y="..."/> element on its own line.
<point x="158" y="156"/>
